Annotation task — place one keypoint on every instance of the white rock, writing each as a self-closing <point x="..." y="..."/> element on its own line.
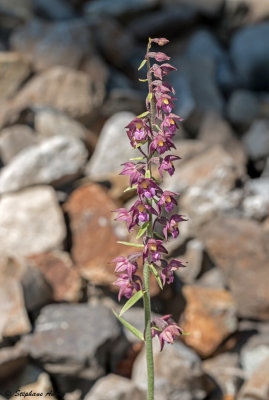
<point x="55" y="160"/>
<point x="31" y="222"/>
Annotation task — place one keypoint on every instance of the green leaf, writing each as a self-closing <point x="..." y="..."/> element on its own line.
<point x="134" y="299"/>
<point x="130" y="188"/>
<point x="143" y="80"/>
<point x="131" y="328"/>
<point x="142" y="230"/>
<point x="147" y="174"/>
<point x="155" y="273"/>
<point x="131" y="244"/>
<point x="159" y="236"/>
<point x="138" y="145"/>
<point x="137" y="158"/>
<point x="142" y="64"/>
<point x="144" y="114"/>
<point x="157" y="126"/>
<point x="149" y="96"/>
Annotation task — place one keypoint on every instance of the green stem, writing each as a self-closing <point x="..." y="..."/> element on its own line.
<point x="148" y="338"/>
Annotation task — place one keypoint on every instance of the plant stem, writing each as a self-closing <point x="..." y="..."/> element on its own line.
<point x="148" y="338"/>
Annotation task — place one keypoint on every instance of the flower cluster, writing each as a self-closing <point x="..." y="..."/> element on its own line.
<point x="152" y="134"/>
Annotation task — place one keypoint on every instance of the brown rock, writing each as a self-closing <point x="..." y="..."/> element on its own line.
<point x="12" y="359"/>
<point x="257" y="387"/>
<point x="13" y="71"/>
<point x="59" y="270"/>
<point x="60" y="87"/>
<point x="240" y="248"/>
<point x="216" y="131"/>
<point x="94" y="235"/>
<point x="209" y="318"/>
<point x="14" y="139"/>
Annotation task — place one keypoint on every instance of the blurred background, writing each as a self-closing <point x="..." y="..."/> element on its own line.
<point x="68" y="86"/>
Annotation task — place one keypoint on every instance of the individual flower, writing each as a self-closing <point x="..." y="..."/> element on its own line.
<point x="159" y="56"/>
<point x="123" y="264"/>
<point x="128" y="216"/>
<point x="142" y="211"/>
<point x="135" y="171"/>
<point x="127" y="285"/>
<point x="165" y="104"/>
<point x="167" y="200"/>
<point x="172" y="226"/>
<point x="159" y="71"/>
<point x="138" y="131"/>
<point x="167" y="164"/>
<point x="161" y="144"/>
<point x="169" y="124"/>
<point x="162" y="87"/>
<point x="166" y="329"/>
<point x="147" y="188"/>
<point x="167" y="273"/>
<point x="160" y="41"/>
<point x="154" y="248"/>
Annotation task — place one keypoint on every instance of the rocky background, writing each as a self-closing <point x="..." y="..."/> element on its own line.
<point x="68" y="86"/>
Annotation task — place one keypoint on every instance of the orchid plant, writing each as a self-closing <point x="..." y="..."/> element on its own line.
<point x="152" y="134"/>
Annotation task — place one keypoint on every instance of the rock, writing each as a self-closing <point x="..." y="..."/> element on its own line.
<point x="13" y="71"/>
<point x="249" y="54"/>
<point x="254" y="11"/>
<point x="212" y="279"/>
<point x="13" y="140"/>
<point x="215" y="130"/>
<point x="190" y="384"/>
<point x="114" y="387"/>
<point x="256" y="140"/>
<point x="113" y="147"/>
<point x="258" y="384"/>
<point x="91" y="220"/>
<point x="194" y="257"/>
<point x="254" y="353"/>
<point x="50" y="122"/>
<point x="55" y="161"/>
<point x="118" y="8"/>
<point x="60" y="272"/>
<point x="224" y="369"/>
<point x="73" y="338"/>
<point x="13" y="316"/>
<point x="14" y="12"/>
<point x="235" y="245"/>
<point x="47" y="44"/>
<point x="30" y="378"/>
<point x="12" y="360"/>
<point x="209" y="8"/>
<point x="65" y="89"/>
<point x="55" y="10"/>
<point x="31" y="222"/>
<point x="209" y="316"/>
<point x="242" y="107"/>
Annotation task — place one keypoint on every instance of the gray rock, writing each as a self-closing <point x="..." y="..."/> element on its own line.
<point x="250" y="55"/>
<point x="56" y="160"/>
<point x="242" y="107"/>
<point x="194" y="257"/>
<point x="209" y="8"/>
<point x="257" y="387"/>
<point x="178" y="373"/>
<point x="54" y="9"/>
<point x="70" y="338"/>
<point x="254" y="11"/>
<point x="254" y="352"/>
<point x="113" y="146"/>
<point x="118" y="8"/>
<point x="114" y="387"/>
<point x="13" y="140"/>
<point x="13" y="71"/>
<point x="31" y="222"/>
<point x="213" y="279"/>
<point x="50" y="122"/>
<point x="13" y="12"/>
<point x="256" y="140"/>
<point x="50" y="44"/>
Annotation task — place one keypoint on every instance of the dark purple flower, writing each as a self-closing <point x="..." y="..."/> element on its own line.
<point x="128" y="216"/>
<point x="159" y="71"/>
<point x="147" y="188"/>
<point x="172" y="226"/>
<point x="161" y="144"/>
<point x="162" y="87"/>
<point x="165" y="104"/>
<point x="123" y="264"/>
<point x="167" y="164"/>
<point x="167" y="200"/>
<point x="138" y="131"/>
<point x="169" y="124"/>
<point x="127" y="285"/>
<point x="154" y="248"/>
<point x="135" y="171"/>
<point x="142" y="211"/>
<point x="166" y="329"/>
<point x="167" y="273"/>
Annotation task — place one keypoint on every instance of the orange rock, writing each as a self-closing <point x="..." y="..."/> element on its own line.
<point x="209" y="318"/>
